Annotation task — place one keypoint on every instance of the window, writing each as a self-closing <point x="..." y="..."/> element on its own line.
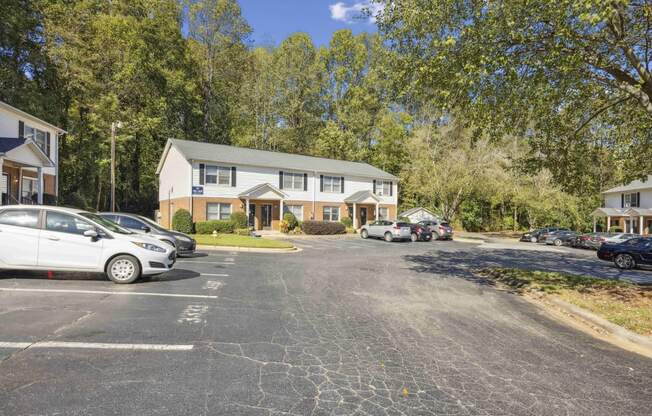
<point x="66" y="223"/>
<point x="218" y="211"/>
<point x="332" y="184"/>
<point x="28" y="190"/>
<point x="39" y="136"/>
<point x="331" y="213"/>
<point x="383" y="188"/>
<point x="630" y="200"/>
<point x="131" y="223"/>
<point x="20" y="218"/>
<point x="218" y="175"/>
<point x="293" y="181"/>
<point x="297" y="210"/>
<point x="383" y="213"/>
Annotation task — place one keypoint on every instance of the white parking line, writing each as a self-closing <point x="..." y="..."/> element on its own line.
<point x="204" y="262"/>
<point x="106" y="292"/>
<point x="215" y="274"/>
<point x="97" y="346"/>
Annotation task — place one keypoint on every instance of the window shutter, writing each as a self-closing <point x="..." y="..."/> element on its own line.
<point x="232" y="175"/>
<point x="638" y="199"/>
<point x="305" y="181"/>
<point x="622" y="200"/>
<point x="280" y="179"/>
<point x="48" y="145"/>
<point x="321" y="183"/>
<point x="342" y="187"/>
<point x="391" y="189"/>
<point x="202" y="171"/>
<point x="21" y="129"/>
<point x="374" y="186"/>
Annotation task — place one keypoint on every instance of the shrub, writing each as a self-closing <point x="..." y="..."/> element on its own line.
<point x="284" y="226"/>
<point x="347" y="221"/>
<point x="220" y="226"/>
<point x="616" y="230"/>
<point x="323" y="227"/>
<point x="239" y="220"/>
<point x="291" y="220"/>
<point x="182" y="221"/>
<point x="242" y="231"/>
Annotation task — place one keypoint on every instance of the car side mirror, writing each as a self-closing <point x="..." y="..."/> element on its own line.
<point x="146" y="228"/>
<point x="91" y="233"/>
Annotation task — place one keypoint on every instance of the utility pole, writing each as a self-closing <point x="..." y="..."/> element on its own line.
<point x="114" y="126"/>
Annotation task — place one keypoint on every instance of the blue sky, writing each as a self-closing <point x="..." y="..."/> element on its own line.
<point x="273" y="20"/>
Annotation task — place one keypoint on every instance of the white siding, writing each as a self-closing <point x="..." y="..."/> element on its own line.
<point x="250" y="176"/>
<point x="174" y="180"/>
<point x="613" y="200"/>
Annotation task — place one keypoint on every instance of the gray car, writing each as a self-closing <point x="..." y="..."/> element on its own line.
<point x="441" y="230"/>
<point x="184" y="244"/>
<point x="387" y="230"/>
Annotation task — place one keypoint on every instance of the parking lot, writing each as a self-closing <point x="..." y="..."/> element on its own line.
<point x="346" y="326"/>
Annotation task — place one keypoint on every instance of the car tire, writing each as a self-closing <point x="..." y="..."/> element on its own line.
<point x="364" y="233"/>
<point x="625" y="262"/>
<point x="428" y="238"/>
<point x="414" y="237"/>
<point x="557" y="242"/>
<point x="123" y="269"/>
<point x="533" y="240"/>
<point x="388" y="237"/>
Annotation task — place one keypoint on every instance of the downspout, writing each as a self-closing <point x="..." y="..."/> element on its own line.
<point x="314" y="194"/>
<point x="192" y="199"/>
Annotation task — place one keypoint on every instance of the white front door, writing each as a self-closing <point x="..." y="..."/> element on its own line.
<point x="19" y="237"/>
<point x="63" y="244"/>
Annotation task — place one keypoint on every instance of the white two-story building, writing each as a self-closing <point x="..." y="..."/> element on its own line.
<point x="213" y="181"/>
<point x="29" y="149"/>
<point x="628" y="207"/>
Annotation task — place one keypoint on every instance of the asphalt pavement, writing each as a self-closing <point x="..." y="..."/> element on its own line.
<point x="344" y="327"/>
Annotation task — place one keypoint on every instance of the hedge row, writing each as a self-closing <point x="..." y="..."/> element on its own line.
<point x="323" y="227"/>
<point x="220" y="226"/>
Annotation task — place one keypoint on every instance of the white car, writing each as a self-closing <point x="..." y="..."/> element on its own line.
<point x="63" y="239"/>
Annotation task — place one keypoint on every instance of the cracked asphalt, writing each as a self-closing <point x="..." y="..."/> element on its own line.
<point x="345" y="327"/>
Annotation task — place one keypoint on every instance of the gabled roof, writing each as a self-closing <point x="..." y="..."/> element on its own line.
<point x="7" y="144"/>
<point x="29" y="116"/>
<point x="608" y="212"/>
<point x="636" y="185"/>
<point x="218" y="153"/>
<point x="415" y="210"/>
<point x="262" y="189"/>
<point x="361" y="197"/>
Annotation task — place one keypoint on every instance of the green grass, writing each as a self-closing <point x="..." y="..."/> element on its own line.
<point x="621" y="303"/>
<point x="234" y="240"/>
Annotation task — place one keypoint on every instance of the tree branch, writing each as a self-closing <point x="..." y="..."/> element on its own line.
<point x="600" y="111"/>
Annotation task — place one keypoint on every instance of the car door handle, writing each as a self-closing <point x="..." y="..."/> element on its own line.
<point x="54" y="238"/>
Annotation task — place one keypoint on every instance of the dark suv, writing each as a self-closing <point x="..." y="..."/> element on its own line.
<point x="184" y="244"/>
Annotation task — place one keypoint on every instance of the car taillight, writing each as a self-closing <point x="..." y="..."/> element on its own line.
<point x="441" y="227"/>
<point x="397" y="227"/>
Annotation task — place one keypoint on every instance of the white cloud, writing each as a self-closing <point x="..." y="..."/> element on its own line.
<point x="348" y="14"/>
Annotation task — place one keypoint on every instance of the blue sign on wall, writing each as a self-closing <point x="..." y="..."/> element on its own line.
<point x="198" y="190"/>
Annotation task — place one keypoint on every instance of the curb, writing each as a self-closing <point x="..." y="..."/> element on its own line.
<point x="617" y="331"/>
<point x="250" y="249"/>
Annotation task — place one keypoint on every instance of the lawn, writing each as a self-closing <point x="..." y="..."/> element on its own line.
<point x="621" y="303"/>
<point x="234" y="240"/>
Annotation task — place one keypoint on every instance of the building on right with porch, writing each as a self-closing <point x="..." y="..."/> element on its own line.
<point x="627" y="208"/>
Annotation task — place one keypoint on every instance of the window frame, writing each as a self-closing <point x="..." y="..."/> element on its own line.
<point x="36" y="211"/>
<point x="34" y="186"/>
<point x="286" y="208"/>
<point x="221" y="173"/>
<point x="33" y="134"/>
<point x="293" y="179"/>
<point x="383" y="217"/>
<point x="334" y="181"/>
<point x="331" y="209"/>
<point x="380" y="187"/>
<point x="75" y="217"/>
<point x="219" y="211"/>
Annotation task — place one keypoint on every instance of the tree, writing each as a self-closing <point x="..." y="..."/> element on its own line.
<point x="564" y="72"/>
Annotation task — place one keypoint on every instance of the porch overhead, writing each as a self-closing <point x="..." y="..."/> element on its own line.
<point x="362" y="197"/>
<point x="638" y="212"/>
<point x="24" y="152"/>
<point x="264" y="191"/>
<point x="608" y="212"/>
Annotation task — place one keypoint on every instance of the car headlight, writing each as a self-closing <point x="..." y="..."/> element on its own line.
<point x="184" y="238"/>
<point x="148" y="246"/>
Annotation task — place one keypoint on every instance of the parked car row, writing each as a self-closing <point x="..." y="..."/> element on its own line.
<point x="400" y="230"/>
<point x="123" y="246"/>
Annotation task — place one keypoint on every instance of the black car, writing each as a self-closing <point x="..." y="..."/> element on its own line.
<point x="559" y="238"/>
<point x="420" y="233"/>
<point x="629" y="254"/>
<point x="184" y="244"/>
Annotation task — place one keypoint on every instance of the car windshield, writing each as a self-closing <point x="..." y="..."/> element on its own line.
<point x="402" y="224"/>
<point x="108" y="224"/>
<point x="152" y="224"/>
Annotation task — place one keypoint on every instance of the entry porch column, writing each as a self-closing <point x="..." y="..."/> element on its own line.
<point x="631" y="225"/>
<point x="247" y="213"/>
<point x="595" y="228"/>
<point x="2" y="161"/>
<point x="355" y="223"/>
<point x="608" y="223"/>
<point x="280" y="213"/>
<point x="640" y="225"/>
<point x="39" y="174"/>
<point x="377" y="210"/>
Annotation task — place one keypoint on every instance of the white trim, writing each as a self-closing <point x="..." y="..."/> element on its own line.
<point x="29" y="116"/>
<point x="96" y="346"/>
<point x="105" y="292"/>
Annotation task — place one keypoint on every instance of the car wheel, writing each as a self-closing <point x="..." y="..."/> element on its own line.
<point x="414" y="237"/>
<point x="533" y="239"/>
<point x="428" y="237"/>
<point x="123" y="269"/>
<point x="625" y="261"/>
<point x="388" y="237"/>
<point x="557" y="242"/>
<point x="364" y="233"/>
